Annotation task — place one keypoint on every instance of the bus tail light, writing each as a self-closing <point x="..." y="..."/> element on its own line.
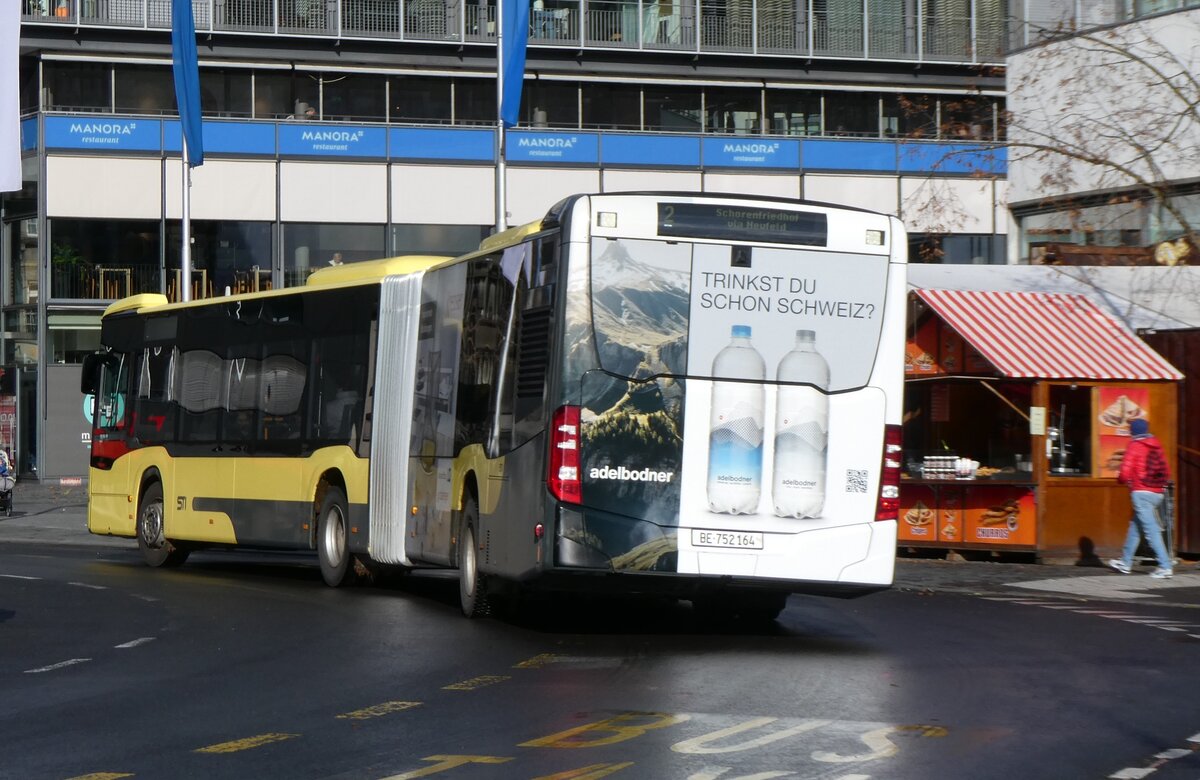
<point x="562" y="474"/>
<point x="888" y="507"/>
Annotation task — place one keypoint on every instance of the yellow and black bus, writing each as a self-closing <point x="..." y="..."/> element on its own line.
<point x="646" y="392"/>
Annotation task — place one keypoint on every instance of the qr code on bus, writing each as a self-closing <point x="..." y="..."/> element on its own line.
<point x="856" y="480"/>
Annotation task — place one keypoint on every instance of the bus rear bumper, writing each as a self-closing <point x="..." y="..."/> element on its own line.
<point x="848" y="560"/>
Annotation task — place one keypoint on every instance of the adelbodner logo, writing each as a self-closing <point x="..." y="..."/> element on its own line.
<point x="624" y="474"/>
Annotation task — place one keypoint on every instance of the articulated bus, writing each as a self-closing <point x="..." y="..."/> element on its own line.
<point x="694" y="395"/>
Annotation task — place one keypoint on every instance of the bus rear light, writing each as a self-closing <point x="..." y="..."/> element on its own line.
<point x="888" y="507"/>
<point x="562" y="473"/>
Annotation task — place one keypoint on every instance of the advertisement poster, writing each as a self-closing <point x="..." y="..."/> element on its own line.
<point x="774" y="437"/>
<point x="918" y="514"/>
<point x="1000" y="515"/>
<point x="920" y="352"/>
<point x="776" y="430"/>
<point x="1116" y="408"/>
<point x="950" y="351"/>
<point x="950" y="515"/>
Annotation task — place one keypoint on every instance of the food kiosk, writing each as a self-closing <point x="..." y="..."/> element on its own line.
<point x="1016" y="416"/>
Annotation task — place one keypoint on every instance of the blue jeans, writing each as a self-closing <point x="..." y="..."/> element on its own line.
<point x="1145" y="523"/>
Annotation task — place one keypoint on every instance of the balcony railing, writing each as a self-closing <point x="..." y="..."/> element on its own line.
<point x="768" y="27"/>
<point x="116" y="280"/>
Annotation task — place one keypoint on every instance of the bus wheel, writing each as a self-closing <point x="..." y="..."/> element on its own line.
<point x="156" y="549"/>
<point x="333" y="539"/>
<point x="472" y="586"/>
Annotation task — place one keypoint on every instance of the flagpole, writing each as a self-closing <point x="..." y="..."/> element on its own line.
<point x="185" y="250"/>
<point x="501" y="193"/>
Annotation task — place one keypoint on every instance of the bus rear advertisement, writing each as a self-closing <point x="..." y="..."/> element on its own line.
<point x="691" y="394"/>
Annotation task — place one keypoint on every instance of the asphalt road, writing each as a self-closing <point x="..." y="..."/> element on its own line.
<point x="243" y="665"/>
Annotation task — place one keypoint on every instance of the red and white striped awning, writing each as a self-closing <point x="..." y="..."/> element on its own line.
<point x="1037" y="335"/>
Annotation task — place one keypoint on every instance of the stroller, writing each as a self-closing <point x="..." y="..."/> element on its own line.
<point x="8" y="481"/>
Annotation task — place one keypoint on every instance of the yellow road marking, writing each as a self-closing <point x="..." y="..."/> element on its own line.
<point x="245" y="744"/>
<point x="609" y="731"/>
<point x="101" y="776"/>
<point x="379" y="709"/>
<point x="445" y="763"/>
<point x="477" y="682"/>
<point x="593" y="772"/>
<point x="538" y="661"/>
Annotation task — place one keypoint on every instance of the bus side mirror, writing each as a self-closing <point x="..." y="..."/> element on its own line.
<point x="89" y="378"/>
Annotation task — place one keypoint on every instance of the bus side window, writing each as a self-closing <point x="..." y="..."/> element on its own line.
<point x="156" y="408"/>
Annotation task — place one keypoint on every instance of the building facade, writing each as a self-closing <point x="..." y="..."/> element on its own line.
<point x="365" y="128"/>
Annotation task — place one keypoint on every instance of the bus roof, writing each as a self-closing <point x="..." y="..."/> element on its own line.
<point x="333" y="276"/>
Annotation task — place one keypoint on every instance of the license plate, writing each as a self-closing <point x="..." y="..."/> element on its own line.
<point x="739" y="540"/>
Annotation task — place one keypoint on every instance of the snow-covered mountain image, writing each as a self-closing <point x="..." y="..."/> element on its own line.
<point x="639" y="293"/>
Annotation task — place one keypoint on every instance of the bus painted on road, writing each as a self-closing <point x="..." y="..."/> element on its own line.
<point x="691" y="394"/>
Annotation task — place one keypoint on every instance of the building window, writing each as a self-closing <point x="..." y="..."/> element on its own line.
<point x="550" y="104"/>
<point x="733" y="111"/>
<point x="449" y="240"/>
<point x="353" y="97"/>
<point x="852" y="113"/>
<point x="225" y="92"/>
<point x="420" y="99"/>
<point x="910" y="116"/>
<point x="283" y="95"/>
<point x="143" y="89"/>
<point x="794" y="112"/>
<point x="226" y="255"/>
<point x="78" y="86"/>
<point x="103" y="259"/>
<point x="309" y="247"/>
<point x="612" y="106"/>
<point x="961" y="249"/>
<point x="673" y="109"/>
<point x="474" y="102"/>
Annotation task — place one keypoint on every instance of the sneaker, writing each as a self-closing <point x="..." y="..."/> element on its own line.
<point x="1119" y="565"/>
<point x="1161" y="574"/>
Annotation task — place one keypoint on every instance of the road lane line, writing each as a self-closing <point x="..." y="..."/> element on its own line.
<point x="134" y="642"/>
<point x="1132" y="773"/>
<point x="246" y="743"/>
<point x="89" y="586"/>
<point x="101" y="776"/>
<point x="377" y="710"/>
<point x="476" y="682"/>
<point x="19" y="577"/>
<point x="597" y="771"/>
<point x="538" y="661"/>
<point x="445" y="763"/>
<point x="58" y="665"/>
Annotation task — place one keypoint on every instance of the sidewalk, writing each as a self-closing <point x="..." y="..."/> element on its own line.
<point x="57" y="514"/>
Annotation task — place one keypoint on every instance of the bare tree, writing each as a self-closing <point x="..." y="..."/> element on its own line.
<point x="1112" y="113"/>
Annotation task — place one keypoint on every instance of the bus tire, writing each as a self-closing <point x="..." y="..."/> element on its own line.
<point x="472" y="586"/>
<point x="333" y="539"/>
<point x="157" y="550"/>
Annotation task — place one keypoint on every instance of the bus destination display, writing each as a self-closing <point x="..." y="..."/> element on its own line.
<point x="741" y="223"/>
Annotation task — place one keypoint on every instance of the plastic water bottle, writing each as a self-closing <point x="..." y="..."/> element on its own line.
<point x="801" y="430"/>
<point x="735" y="444"/>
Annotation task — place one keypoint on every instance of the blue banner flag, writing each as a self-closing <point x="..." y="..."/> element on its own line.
<point x="512" y="59"/>
<point x="187" y="78"/>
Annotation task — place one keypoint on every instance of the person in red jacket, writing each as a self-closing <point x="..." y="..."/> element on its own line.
<point x="1144" y="472"/>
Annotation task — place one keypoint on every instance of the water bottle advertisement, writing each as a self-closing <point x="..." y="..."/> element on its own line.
<point x="788" y="338"/>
